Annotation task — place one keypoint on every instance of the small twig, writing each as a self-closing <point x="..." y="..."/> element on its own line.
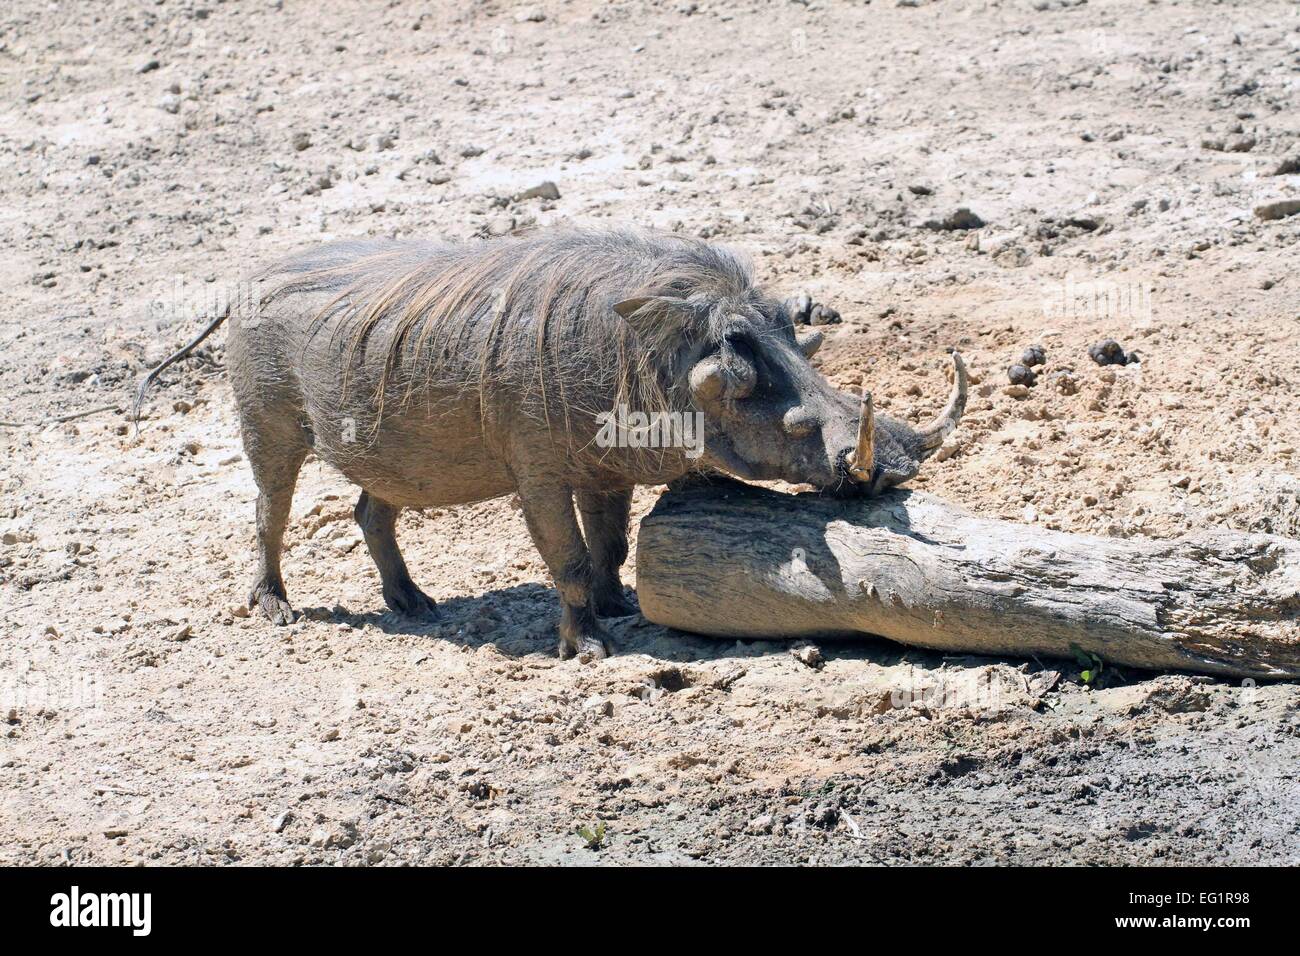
<point x="855" y="834"/>
<point x="103" y="789"/>
<point x="853" y="825"/>
<point x="62" y="418"/>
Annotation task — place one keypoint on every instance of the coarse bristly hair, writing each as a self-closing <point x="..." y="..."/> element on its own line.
<point x="527" y="321"/>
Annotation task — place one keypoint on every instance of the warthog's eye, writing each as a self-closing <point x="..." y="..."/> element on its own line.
<point x="729" y="374"/>
<point x="740" y="347"/>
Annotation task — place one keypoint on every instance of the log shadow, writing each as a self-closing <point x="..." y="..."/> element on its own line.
<point x="520" y="621"/>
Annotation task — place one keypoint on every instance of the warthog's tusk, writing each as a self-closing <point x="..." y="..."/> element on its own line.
<point x="864" y="456"/>
<point x="932" y="435"/>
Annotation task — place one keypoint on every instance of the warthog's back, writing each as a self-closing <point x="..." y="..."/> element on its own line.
<point x="421" y="368"/>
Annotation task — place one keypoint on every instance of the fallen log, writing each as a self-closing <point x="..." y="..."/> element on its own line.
<point x="731" y="560"/>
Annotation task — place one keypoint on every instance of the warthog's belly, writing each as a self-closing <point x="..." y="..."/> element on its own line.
<point x="414" y="459"/>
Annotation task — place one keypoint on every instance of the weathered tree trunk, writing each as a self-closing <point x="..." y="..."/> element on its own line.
<point x="740" y="562"/>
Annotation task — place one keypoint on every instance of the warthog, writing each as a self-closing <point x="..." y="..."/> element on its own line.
<point x="435" y="374"/>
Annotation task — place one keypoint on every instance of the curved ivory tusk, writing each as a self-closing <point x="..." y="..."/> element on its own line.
<point x="810" y="343"/>
<point x="932" y="435"/>
<point x="863" y="460"/>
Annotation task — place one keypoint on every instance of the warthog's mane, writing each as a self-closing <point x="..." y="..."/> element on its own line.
<point x="528" y="322"/>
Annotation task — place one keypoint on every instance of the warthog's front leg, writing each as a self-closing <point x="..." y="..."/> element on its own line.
<point x="548" y="510"/>
<point x="604" y="522"/>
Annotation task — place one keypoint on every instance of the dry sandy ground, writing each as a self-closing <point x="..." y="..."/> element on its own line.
<point x="153" y="152"/>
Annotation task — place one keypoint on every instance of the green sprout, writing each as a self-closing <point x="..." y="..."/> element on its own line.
<point x="1091" y="665"/>
<point x="595" y="838"/>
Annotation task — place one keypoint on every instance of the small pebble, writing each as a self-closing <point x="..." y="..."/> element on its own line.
<point x="963" y="218"/>
<point x="1064" y="382"/>
<point x="1281" y="209"/>
<point x="823" y="315"/>
<point x="1034" y="355"/>
<point x="1021" y="375"/>
<point x="546" y="190"/>
<point x="1108" y="352"/>
<point x="808" y="654"/>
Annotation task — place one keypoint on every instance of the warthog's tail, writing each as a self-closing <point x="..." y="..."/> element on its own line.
<point x="174" y="357"/>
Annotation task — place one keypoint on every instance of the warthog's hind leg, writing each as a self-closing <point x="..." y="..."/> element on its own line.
<point x="604" y="523"/>
<point x="378" y="521"/>
<point x="275" y="469"/>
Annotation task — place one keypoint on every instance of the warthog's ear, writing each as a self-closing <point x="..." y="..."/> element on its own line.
<point x="656" y="317"/>
<point x="628" y="307"/>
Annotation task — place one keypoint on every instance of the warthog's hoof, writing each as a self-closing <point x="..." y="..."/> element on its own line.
<point x="614" y="604"/>
<point x="273" y="606"/>
<point x="587" y="648"/>
<point x="412" y="602"/>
